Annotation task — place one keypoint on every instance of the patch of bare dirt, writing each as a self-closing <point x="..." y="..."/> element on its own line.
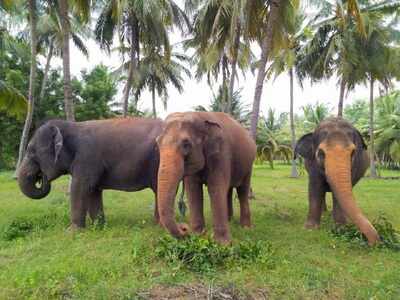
<point x="200" y="292"/>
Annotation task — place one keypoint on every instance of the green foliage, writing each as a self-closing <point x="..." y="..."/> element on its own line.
<point x="204" y="255"/>
<point x="238" y="110"/>
<point x="390" y="237"/>
<point x="95" y="94"/>
<point x="24" y="225"/>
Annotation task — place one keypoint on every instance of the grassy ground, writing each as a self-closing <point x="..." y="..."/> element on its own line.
<point x="121" y="261"/>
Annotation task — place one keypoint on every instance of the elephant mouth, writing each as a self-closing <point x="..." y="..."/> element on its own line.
<point x="34" y="186"/>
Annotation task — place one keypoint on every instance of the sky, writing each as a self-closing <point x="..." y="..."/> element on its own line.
<point x="275" y="92"/>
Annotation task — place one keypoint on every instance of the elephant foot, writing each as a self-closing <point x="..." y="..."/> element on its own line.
<point x="74" y="228"/>
<point x="199" y="229"/>
<point x="311" y="224"/>
<point x="224" y="241"/>
<point x="245" y="223"/>
<point x="222" y="236"/>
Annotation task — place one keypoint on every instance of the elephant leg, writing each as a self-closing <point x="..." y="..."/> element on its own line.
<point x="337" y="213"/>
<point x="79" y="204"/>
<point x="156" y="214"/>
<point x="323" y="205"/>
<point x="96" y="212"/>
<point x="218" y="191"/>
<point x="230" y="204"/>
<point x="243" y="194"/>
<point x="194" y="190"/>
<point x="316" y="196"/>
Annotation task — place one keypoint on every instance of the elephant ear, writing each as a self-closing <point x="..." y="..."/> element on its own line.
<point x="58" y="142"/>
<point x="214" y="138"/>
<point x="360" y="141"/>
<point x="304" y="147"/>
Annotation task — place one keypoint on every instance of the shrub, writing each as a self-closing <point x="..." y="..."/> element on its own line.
<point x="203" y="255"/>
<point x="390" y="237"/>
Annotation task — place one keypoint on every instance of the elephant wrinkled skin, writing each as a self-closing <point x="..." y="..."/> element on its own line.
<point x="119" y="154"/>
<point x="204" y="148"/>
<point x="336" y="158"/>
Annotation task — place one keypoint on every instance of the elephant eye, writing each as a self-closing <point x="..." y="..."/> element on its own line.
<point x="186" y="146"/>
<point x="320" y="156"/>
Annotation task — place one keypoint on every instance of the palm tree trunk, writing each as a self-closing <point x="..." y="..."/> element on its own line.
<point x="266" y="49"/>
<point x="341" y="98"/>
<point x="236" y="45"/>
<point x="68" y="101"/>
<point x="46" y="71"/>
<point x="153" y="97"/>
<point x="132" y="65"/>
<point x="371" y="129"/>
<point x="294" y="173"/>
<point x="225" y="96"/>
<point x="32" y="78"/>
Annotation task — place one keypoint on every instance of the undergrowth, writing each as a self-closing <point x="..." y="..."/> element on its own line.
<point x="204" y="255"/>
<point x="390" y="237"/>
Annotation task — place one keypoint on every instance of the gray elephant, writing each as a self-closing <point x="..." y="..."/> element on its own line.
<point x="119" y="154"/>
<point x="336" y="159"/>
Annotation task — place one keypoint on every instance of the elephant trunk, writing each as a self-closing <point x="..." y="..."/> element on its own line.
<point x="170" y="174"/>
<point x="32" y="182"/>
<point x="338" y="172"/>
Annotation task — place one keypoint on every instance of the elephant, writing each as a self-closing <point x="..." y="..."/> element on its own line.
<point x="204" y="148"/>
<point x="336" y="158"/>
<point x="119" y="154"/>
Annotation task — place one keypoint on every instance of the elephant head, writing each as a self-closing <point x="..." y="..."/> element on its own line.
<point x="187" y="142"/>
<point x="44" y="161"/>
<point x="337" y="151"/>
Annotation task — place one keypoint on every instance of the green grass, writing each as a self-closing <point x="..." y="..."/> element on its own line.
<point x="131" y="258"/>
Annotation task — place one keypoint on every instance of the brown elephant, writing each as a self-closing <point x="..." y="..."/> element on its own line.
<point x="204" y="148"/>
<point x="118" y="154"/>
<point x="336" y="158"/>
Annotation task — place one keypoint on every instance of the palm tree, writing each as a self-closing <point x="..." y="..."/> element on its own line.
<point x="333" y="48"/>
<point x="238" y="110"/>
<point x="387" y="130"/>
<point x="265" y="22"/>
<point x="286" y="60"/>
<point x="157" y="71"/>
<point x="50" y="38"/>
<point x="32" y="77"/>
<point x="378" y="57"/>
<point x="82" y="9"/>
<point x="272" y="139"/>
<point x="11" y="100"/>
<point x="138" y="23"/>
<point x="217" y="36"/>
<point x="314" y="114"/>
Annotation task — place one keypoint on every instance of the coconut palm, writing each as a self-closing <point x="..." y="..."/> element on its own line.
<point x="238" y="110"/>
<point x="218" y="41"/>
<point x="50" y="39"/>
<point x="314" y="114"/>
<point x="81" y="8"/>
<point x="265" y="22"/>
<point x="285" y="61"/>
<point x="387" y="129"/>
<point x="157" y="71"/>
<point x="333" y="48"/>
<point x="139" y="24"/>
<point x="32" y="5"/>
<point x="12" y="101"/>
<point x="272" y="141"/>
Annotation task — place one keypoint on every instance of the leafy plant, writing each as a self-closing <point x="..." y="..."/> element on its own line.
<point x="203" y="255"/>
<point x="390" y="237"/>
<point x="22" y="226"/>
